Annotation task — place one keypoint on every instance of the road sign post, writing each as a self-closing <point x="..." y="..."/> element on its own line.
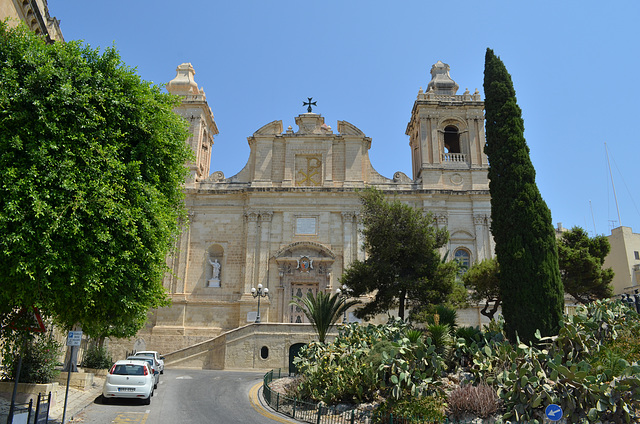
<point x="74" y="339"/>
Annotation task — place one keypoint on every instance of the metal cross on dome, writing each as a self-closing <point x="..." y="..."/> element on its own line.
<point x="309" y="103"/>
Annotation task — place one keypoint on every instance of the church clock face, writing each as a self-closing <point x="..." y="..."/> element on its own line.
<point x="308" y="170"/>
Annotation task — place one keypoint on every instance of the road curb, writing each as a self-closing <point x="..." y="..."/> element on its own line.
<point x="259" y="404"/>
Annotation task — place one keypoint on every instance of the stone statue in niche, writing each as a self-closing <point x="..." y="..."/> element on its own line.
<point x="214" y="281"/>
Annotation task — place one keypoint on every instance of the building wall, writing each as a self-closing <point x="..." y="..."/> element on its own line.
<point x="290" y="220"/>
<point x="624" y="259"/>
<point x="35" y="14"/>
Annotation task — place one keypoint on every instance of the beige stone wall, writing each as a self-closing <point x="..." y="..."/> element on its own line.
<point x="9" y="10"/>
<point x="34" y="14"/>
<point x="625" y="245"/>
<point x="289" y="220"/>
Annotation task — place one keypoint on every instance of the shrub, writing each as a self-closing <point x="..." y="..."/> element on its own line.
<point x="440" y="335"/>
<point x="39" y="359"/>
<point x="414" y="335"/>
<point x="480" y="400"/>
<point x="97" y="357"/>
<point x="411" y="410"/>
<point x="469" y="334"/>
<point x="527" y="377"/>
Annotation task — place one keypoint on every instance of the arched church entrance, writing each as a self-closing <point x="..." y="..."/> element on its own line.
<point x="304" y="268"/>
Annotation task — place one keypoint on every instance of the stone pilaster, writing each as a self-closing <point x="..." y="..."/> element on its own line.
<point x="348" y="239"/>
<point x="442" y="220"/>
<point x="264" y="224"/>
<point x="483" y="244"/>
<point x="360" y="254"/>
<point x="183" y="253"/>
<point x="251" y="251"/>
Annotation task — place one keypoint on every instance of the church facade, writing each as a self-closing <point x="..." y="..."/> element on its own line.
<point x="289" y="220"/>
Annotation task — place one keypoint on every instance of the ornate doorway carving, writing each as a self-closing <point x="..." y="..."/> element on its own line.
<point x="296" y="315"/>
<point x="303" y="267"/>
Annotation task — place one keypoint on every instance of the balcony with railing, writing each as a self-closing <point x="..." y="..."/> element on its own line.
<point x="454" y="158"/>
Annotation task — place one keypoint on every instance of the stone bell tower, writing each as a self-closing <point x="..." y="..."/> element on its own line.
<point x="195" y="110"/>
<point x="446" y="135"/>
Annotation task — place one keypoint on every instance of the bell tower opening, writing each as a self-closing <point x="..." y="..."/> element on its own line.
<point x="451" y="140"/>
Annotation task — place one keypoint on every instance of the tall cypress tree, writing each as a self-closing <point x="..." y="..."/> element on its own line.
<point x="530" y="284"/>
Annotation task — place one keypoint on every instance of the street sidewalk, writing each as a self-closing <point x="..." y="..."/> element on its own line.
<point x="77" y="401"/>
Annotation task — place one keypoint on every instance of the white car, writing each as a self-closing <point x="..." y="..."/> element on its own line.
<point x="156" y="355"/>
<point x="129" y="379"/>
<point x="153" y="364"/>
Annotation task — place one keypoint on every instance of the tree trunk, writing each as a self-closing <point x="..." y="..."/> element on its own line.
<point x="403" y="294"/>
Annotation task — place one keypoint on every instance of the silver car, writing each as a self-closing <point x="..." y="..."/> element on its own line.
<point x="159" y="358"/>
<point x="152" y="363"/>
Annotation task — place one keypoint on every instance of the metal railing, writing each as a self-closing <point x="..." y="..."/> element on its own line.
<point x="24" y="413"/>
<point x="318" y="414"/>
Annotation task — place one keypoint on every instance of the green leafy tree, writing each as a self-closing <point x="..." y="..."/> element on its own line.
<point x="483" y="279"/>
<point x="581" y="261"/>
<point x="530" y="284"/>
<point x="403" y="265"/>
<point x="323" y="310"/>
<point x="91" y="169"/>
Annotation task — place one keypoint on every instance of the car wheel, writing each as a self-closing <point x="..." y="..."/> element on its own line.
<point x="147" y="401"/>
<point x="162" y="372"/>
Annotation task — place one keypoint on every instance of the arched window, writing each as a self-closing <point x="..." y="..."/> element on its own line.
<point x="464" y="258"/>
<point x="451" y="140"/>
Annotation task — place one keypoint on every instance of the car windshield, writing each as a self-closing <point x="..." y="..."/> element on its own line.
<point x="129" y="369"/>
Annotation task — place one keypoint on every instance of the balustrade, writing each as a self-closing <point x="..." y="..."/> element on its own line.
<point x="454" y="158"/>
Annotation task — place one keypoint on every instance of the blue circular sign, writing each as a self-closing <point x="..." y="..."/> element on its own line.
<point x="553" y="412"/>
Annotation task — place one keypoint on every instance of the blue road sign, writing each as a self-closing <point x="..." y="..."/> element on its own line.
<point x="553" y="412"/>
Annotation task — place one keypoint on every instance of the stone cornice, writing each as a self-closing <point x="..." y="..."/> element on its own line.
<point x="402" y="191"/>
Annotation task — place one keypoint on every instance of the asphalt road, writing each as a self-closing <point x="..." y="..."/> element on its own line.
<point x="187" y="397"/>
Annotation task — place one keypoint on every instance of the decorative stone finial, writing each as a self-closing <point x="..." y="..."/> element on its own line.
<point x="184" y="83"/>
<point x="441" y="82"/>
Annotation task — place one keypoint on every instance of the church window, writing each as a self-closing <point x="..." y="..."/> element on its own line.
<point x="637" y="255"/>
<point x="451" y="140"/>
<point x="463" y="257"/>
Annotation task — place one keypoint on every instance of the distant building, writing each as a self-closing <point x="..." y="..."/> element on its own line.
<point x="34" y="13"/>
<point x="560" y="230"/>
<point x="624" y="259"/>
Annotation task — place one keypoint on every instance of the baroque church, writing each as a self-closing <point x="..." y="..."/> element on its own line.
<point x="289" y="220"/>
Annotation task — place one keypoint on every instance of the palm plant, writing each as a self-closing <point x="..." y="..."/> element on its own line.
<point x="323" y="310"/>
<point x="414" y="335"/>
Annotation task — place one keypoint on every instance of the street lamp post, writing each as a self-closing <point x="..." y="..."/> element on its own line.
<point x="260" y="292"/>
<point x="343" y="294"/>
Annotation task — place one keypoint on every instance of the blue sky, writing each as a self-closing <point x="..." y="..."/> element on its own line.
<point x="574" y="65"/>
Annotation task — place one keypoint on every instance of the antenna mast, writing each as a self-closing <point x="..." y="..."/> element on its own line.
<point x="612" y="185"/>
<point x="595" y="233"/>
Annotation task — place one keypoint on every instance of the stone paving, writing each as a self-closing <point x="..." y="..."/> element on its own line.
<point x="77" y="401"/>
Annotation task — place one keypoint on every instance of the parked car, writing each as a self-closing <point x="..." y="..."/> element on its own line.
<point x="152" y="363"/>
<point x="129" y="379"/>
<point x="155" y="354"/>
